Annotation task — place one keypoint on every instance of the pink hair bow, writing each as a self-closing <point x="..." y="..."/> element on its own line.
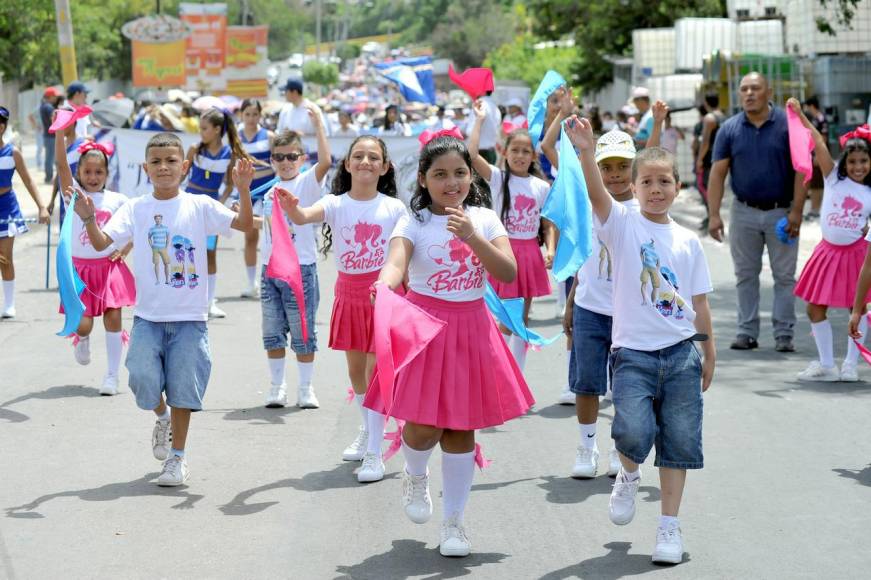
<point x="508" y="126"/>
<point x="66" y="117"/>
<point x="106" y="148"/>
<point x="860" y="132"/>
<point x="429" y="135"/>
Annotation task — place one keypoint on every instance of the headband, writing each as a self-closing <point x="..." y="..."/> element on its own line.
<point x="429" y="135"/>
<point x="106" y="149"/>
<point x="860" y="132"/>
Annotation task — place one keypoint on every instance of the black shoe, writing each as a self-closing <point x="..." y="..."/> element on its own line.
<point x="784" y="344"/>
<point x="744" y="342"/>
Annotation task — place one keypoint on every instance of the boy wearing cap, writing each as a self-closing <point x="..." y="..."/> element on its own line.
<point x="641" y="100"/>
<point x="294" y="115"/>
<point x="588" y="322"/>
<point x="77" y="95"/>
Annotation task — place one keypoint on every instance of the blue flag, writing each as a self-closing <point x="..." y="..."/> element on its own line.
<point x="413" y="76"/>
<point x="568" y="207"/>
<point x="510" y="313"/>
<point x="69" y="285"/>
<point x="538" y="105"/>
<point x="265" y="187"/>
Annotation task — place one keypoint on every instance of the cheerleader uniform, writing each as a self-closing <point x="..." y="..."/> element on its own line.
<point x="528" y="195"/>
<point x="258" y="148"/>
<point x="207" y="176"/>
<point x="11" y="219"/>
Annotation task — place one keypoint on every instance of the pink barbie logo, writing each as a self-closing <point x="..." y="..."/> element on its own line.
<point x="462" y="268"/>
<point x="851" y="216"/>
<point x="102" y="217"/>
<point x="366" y="247"/>
<point x="524" y="216"/>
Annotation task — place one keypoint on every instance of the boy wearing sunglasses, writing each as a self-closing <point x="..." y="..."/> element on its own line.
<point x="281" y="313"/>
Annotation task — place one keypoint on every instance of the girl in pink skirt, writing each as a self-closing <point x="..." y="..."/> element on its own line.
<point x="518" y="193"/>
<point x="109" y="284"/>
<point x="466" y="378"/>
<point x="828" y="280"/>
<point x="359" y="217"/>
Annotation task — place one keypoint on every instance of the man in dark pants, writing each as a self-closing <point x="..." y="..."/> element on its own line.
<point x="754" y="147"/>
<point x="46" y="112"/>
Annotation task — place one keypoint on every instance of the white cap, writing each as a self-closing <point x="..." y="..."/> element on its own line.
<point x="640" y="93"/>
<point x="615" y="143"/>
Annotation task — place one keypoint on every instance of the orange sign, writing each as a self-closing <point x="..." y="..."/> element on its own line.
<point x="156" y="65"/>
<point x="243" y="43"/>
<point x="206" y="45"/>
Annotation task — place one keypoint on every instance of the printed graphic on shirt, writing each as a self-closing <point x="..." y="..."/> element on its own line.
<point x="102" y="216"/>
<point x="158" y="239"/>
<point x="849" y="216"/>
<point x="667" y="299"/>
<point x="366" y="245"/>
<point x="184" y="264"/>
<point x="604" y="260"/>
<point x="462" y="268"/>
<point x="524" y="216"/>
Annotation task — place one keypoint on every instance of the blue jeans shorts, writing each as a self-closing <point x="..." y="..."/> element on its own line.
<point x="171" y="358"/>
<point x="591" y="341"/>
<point x="658" y="402"/>
<point x="281" y="312"/>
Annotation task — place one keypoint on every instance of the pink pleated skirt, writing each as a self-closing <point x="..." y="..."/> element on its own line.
<point x="532" y="279"/>
<point x="108" y="284"/>
<point x="465" y="379"/>
<point x="829" y="276"/>
<point x="351" y="320"/>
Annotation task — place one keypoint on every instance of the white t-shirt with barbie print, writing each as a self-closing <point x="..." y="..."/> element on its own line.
<point x="306" y="187"/>
<point x="528" y="195"/>
<point x="169" y="252"/>
<point x="361" y="230"/>
<point x="442" y="265"/>
<point x="658" y="268"/>
<point x="106" y="203"/>
<point x="845" y="209"/>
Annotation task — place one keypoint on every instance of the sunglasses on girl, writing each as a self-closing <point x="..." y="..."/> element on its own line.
<point x="289" y="156"/>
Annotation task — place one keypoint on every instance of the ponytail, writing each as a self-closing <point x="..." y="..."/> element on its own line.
<point x="224" y="120"/>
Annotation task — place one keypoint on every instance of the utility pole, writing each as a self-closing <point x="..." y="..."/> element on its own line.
<point x="65" y="41"/>
<point x="318" y="31"/>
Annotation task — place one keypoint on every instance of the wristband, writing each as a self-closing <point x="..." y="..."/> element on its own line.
<point x="90" y="219"/>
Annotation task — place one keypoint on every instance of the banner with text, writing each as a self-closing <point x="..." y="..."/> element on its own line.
<point x="205" y="55"/>
<point x="158" y="64"/>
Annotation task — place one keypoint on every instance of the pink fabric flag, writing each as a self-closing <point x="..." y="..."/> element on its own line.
<point x="475" y="81"/>
<point x="402" y="331"/>
<point x="284" y="262"/>
<point x="66" y="117"/>
<point x="800" y="145"/>
<point x="866" y="354"/>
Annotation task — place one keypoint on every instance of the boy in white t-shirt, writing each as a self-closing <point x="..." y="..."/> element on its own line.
<point x="169" y="347"/>
<point x="658" y="373"/>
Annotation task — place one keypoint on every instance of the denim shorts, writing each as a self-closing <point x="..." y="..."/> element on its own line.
<point x="170" y="357"/>
<point x="591" y="341"/>
<point x="658" y="402"/>
<point x="281" y="312"/>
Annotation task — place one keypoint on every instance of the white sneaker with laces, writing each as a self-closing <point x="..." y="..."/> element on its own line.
<point x="614" y="464"/>
<point x="175" y="472"/>
<point x="586" y="462"/>
<point x="817" y="373"/>
<point x="110" y="385"/>
<point x="357" y="448"/>
<point x="306" y="399"/>
<point x="454" y="541"/>
<point x="372" y="469"/>
<point x="621" y="507"/>
<point x="215" y="312"/>
<point x="566" y="397"/>
<point x="8" y="312"/>
<point x="277" y="396"/>
<point x="415" y="497"/>
<point x="161" y="439"/>
<point x="849" y="372"/>
<point x="669" y="545"/>
<point x="82" y="350"/>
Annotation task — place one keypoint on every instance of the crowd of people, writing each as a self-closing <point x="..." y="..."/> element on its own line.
<point x="638" y="323"/>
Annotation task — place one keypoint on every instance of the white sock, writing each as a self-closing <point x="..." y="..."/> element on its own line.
<point x="518" y="349"/>
<point x="375" y="425"/>
<point x="8" y="294"/>
<point x="213" y="286"/>
<point x="252" y="274"/>
<point x="631" y="475"/>
<point x="165" y="417"/>
<point x="458" y="469"/>
<point x="823" y="337"/>
<point x="276" y="370"/>
<point x="305" y="370"/>
<point x="415" y="461"/>
<point x="364" y="412"/>
<point x="561" y="296"/>
<point x="588" y="435"/>
<point x="853" y="352"/>
<point x="668" y="521"/>
<point x="113" y="351"/>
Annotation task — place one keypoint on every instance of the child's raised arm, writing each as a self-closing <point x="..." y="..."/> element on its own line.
<point x="479" y="164"/>
<point x="548" y="143"/>
<point x="580" y="133"/>
<point x="243" y="175"/>
<point x="660" y="112"/>
<point x="298" y="215"/>
<point x="821" y="148"/>
<point x="325" y="160"/>
<point x="65" y="175"/>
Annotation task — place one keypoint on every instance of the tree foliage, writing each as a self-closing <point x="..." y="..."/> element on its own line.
<point x="468" y="30"/>
<point x="320" y="73"/>
<point x="520" y="60"/>
<point x="845" y="11"/>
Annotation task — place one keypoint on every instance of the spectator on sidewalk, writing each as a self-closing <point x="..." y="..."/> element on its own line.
<point x="46" y="113"/>
<point x="294" y="114"/>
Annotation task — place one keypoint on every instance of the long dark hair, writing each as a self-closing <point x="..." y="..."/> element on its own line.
<point x="223" y="119"/>
<point x="479" y="191"/>
<point x="533" y="170"/>
<point x="388" y="124"/>
<point x="855" y="145"/>
<point x="342" y="183"/>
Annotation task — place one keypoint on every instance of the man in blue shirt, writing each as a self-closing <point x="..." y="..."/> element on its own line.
<point x="754" y="147"/>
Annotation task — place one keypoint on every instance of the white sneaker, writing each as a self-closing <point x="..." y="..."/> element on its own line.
<point x="372" y="469"/>
<point x="614" y="464"/>
<point x="454" y="542"/>
<point x="621" y="507"/>
<point x="161" y="439"/>
<point x="415" y="497"/>
<point x="110" y="385"/>
<point x="175" y="472"/>
<point x="82" y="351"/>
<point x="817" y="373"/>
<point x="566" y="397"/>
<point x="215" y="312"/>
<point x="8" y="312"/>
<point x="357" y="448"/>
<point x="277" y="396"/>
<point x="306" y="399"/>
<point x="669" y="545"/>
<point x="586" y="461"/>
<point x="849" y="372"/>
<point x="249" y="292"/>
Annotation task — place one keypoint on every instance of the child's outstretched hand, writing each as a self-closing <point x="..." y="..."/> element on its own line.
<point x="659" y="111"/>
<point x="288" y="202"/>
<point x="313" y="114"/>
<point x="567" y="103"/>
<point x="480" y="109"/>
<point x="84" y="205"/>
<point x="243" y="173"/>
<point x="580" y="133"/>
<point x="459" y="223"/>
<point x="853" y="327"/>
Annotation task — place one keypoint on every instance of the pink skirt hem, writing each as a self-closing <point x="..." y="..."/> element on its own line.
<point x="108" y="284"/>
<point x="532" y="279"/>
<point x="829" y="277"/>
<point x="351" y="319"/>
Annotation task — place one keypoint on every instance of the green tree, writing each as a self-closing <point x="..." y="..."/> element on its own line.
<point x="468" y="30"/>
<point x="324" y="74"/>
<point x="520" y="60"/>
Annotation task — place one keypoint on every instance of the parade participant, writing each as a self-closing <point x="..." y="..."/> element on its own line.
<point x="465" y="379"/>
<point x="518" y="192"/>
<point x="256" y="141"/>
<point x="829" y="278"/>
<point x="109" y="284"/>
<point x="211" y="162"/>
<point x="658" y="373"/>
<point x="359" y="217"/>
<point x="168" y="360"/>
<point x="11" y="219"/>
<point x="279" y="306"/>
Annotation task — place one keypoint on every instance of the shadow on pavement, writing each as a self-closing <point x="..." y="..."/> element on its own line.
<point x="860" y="388"/>
<point x="565" y="490"/>
<point x="259" y="415"/>
<point x="555" y="411"/>
<point x="59" y="392"/>
<point x="411" y="558"/>
<point x="499" y="484"/>
<point x="617" y="563"/>
<point x="12" y="416"/>
<point x="860" y="476"/>
<point x="142" y="487"/>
